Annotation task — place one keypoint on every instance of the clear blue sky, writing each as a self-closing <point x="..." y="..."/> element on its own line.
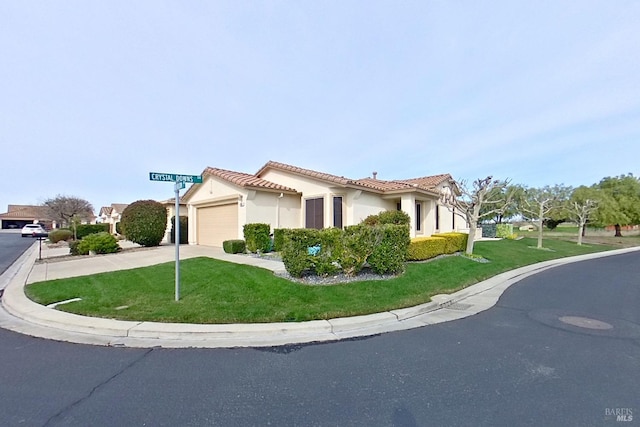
<point x="94" y="95"/>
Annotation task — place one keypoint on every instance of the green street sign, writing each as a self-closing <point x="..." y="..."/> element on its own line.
<point x="172" y="177"/>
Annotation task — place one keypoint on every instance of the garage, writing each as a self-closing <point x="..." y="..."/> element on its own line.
<point x="217" y="224"/>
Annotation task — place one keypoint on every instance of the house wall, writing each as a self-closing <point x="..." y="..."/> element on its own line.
<point x="361" y="204"/>
<point x="171" y="208"/>
<point x="294" y="217"/>
<point x="210" y="193"/>
<point x="270" y="208"/>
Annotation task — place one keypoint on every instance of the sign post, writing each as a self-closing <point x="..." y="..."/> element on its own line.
<point x="179" y="183"/>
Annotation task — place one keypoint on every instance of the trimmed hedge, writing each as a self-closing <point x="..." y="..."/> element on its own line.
<point x="387" y="217"/>
<point x="295" y="256"/>
<point x="358" y="242"/>
<point x="456" y="242"/>
<point x="423" y="248"/>
<point x="58" y="235"/>
<point x="257" y="237"/>
<point x="504" y="230"/>
<point x="326" y="261"/>
<point x="390" y="252"/>
<point x="83" y="230"/>
<point x="234" y="246"/>
<point x="278" y="239"/>
<point x="384" y="247"/>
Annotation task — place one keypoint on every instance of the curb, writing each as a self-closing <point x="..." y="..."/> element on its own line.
<point x="28" y="317"/>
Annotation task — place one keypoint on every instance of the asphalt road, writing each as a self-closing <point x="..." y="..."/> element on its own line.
<point x="516" y="364"/>
<point x="12" y="245"/>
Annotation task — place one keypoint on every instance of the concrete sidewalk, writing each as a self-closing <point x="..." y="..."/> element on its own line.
<point x="25" y="316"/>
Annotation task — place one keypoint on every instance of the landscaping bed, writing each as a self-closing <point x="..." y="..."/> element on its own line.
<point x="215" y="291"/>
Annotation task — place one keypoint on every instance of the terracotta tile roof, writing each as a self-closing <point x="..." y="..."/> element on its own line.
<point x="25" y="212"/>
<point x="381" y="185"/>
<point x="427" y="183"/>
<point x="304" y="172"/>
<point x="247" y="180"/>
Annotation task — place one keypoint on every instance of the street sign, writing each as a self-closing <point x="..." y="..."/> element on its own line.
<point x="172" y="177"/>
<point x="180" y="182"/>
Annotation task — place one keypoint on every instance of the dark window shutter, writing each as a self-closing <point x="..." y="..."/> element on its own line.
<point x="337" y="212"/>
<point x="314" y="216"/>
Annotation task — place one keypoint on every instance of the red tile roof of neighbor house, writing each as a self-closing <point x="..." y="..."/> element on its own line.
<point x="25" y="212"/>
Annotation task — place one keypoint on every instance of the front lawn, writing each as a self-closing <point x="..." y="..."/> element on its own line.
<point x="214" y="291"/>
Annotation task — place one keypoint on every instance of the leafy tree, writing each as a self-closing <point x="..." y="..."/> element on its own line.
<point x="622" y="207"/>
<point x="144" y="222"/>
<point x="468" y="202"/>
<point x="538" y="204"/>
<point x="69" y="211"/>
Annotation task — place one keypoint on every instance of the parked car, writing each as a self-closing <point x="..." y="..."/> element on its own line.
<point x="33" y="230"/>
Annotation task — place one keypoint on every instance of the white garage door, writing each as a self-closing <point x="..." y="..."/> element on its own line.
<point x="217" y="224"/>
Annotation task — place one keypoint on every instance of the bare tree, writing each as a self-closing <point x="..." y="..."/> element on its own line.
<point x="468" y="202"/>
<point x="68" y="210"/>
<point x="538" y="203"/>
<point x="584" y="203"/>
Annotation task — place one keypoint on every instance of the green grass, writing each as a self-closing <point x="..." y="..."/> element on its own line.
<point x="214" y="291"/>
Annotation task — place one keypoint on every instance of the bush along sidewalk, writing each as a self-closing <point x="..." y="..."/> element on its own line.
<point x="380" y="241"/>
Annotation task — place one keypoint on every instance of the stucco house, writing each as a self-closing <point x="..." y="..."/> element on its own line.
<point x="170" y="205"/>
<point x="17" y="216"/>
<point x="287" y="196"/>
<point x="111" y="215"/>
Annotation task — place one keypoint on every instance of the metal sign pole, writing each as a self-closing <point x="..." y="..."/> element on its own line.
<point x="176" y="226"/>
<point x="179" y="182"/>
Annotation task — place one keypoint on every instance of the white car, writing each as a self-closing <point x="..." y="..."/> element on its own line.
<point x="33" y="230"/>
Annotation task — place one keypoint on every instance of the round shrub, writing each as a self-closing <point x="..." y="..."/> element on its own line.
<point x="144" y="222"/>
<point x="74" y="248"/>
<point x="83" y="230"/>
<point x="394" y="217"/>
<point x="100" y="243"/>
<point x="59" y="235"/>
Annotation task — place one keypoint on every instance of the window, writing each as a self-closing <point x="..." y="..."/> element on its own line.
<point x="418" y="216"/>
<point x="337" y="211"/>
<point x="314" y="213"/>
<point x="437" y="217"/>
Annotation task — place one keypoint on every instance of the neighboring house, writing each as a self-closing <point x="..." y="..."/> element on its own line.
<point x="20" y="215"/>
<point x="286" y="196"/>
<point x="111" y="215"/>
<point x="170" y="204"/>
